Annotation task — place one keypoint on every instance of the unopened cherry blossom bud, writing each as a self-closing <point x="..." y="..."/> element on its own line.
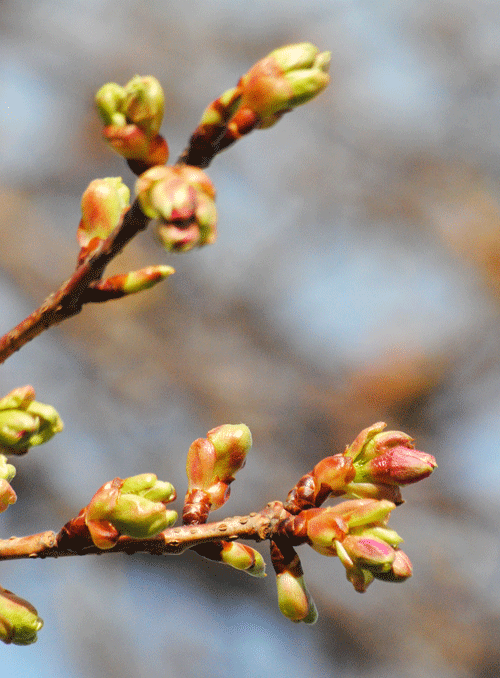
<point x="140" y="102"/>
<point x="401" y="569"/>
<point x="294" y="600"/>
<point x="182" y="198"/>
<point x="19" y="620"/>
<point x="287" y="77"/>
<point x="121" y="285"/>
<point x="103" y="205"/>
<point x="324" y="527"/>
<point x="388" y="457"/>
<point x="24" y="422"/>
<point x="243" y="557"/>
<point x="213" y="461"/>
<point x="144" y="103"/>
<point x="132" y="116"/>
<point x="7" y="494"/>
<point x="134" y="507"/>
<point x="374" y="555"/>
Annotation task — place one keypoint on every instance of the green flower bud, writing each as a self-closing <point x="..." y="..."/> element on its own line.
<point x="140" y="102"/>
<point x="134" y="507"/>
<point x="213" y="461"/>
<point x="7" y="471"/>
<point x="243" y="557"/>
<point x="24" y="422"/>
<point x="7" y="495"/>
<point x="294" y="600"/>
<point x="19" y="620"/>
<point x="129" y="283"/>
<point x="103" y="204"/>
<point x="144" y="103"/>
<point x="110" y="100"/>
<point x="232" y="442"/>
<point x="287" y="77"/>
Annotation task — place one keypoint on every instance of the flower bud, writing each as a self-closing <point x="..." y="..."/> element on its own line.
<point x="144" y="103"/>
<point x="243" y="557"/>
<point x="110" y="99"/>
<point x="401" y="569"/>
<point x="132" y="116"/>
<point x="325" y="527"/>
<point x="182" y="198"/>
<point x="294" y="600"/>
<point x="134" y="507"/>
<point x="7" y="495"/>
<point x="388" y="458"/>
<point x="19" y="620"/>
<point x="287" y="77"/>
<point x="140" y="102"/>
<point x="128" y="283"/>
<point x="24" y="422"/>
<point x="374" y="555"/>
<point x="103" y="205"/>
<point x="213" y="461"/>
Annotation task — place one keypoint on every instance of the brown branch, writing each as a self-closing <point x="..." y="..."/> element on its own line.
<point x="254" y="527"/>
<point x="68" y="300"/>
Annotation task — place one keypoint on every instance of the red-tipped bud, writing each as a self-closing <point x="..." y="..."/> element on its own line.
<point x="182" y="198"/>
<point x="401" y="569"/>
<point x="388" y="458"/>
<point x="103" y="204"/>
<point x="213" y="461"/>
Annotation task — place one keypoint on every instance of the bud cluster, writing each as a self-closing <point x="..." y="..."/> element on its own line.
<point x="134" y="507"/>
<point x="371" y="470"/>
<point x="287" y="77"/>
<point x="24" y="422"/>
<point x="182" y="198"/>
<point x="132" y="116"/>
<point x="210" y="467"/>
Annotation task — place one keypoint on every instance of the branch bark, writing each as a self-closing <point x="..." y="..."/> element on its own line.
<point x="68" y="300"/>
<point x="256" y="526"/>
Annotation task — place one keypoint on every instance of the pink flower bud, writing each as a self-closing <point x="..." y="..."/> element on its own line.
<point x="388" y="457"/>
<point x="183" y="199"/>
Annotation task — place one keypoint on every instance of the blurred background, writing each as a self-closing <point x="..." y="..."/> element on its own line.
<point x="356" y="278"/>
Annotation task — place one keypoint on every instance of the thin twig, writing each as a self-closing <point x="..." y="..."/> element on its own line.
<point x="68" y="300"/>
<point x="254" y="527"/>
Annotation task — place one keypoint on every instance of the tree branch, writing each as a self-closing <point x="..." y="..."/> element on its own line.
<point x="68" y="300"/>
<point x="72" y="540"/>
